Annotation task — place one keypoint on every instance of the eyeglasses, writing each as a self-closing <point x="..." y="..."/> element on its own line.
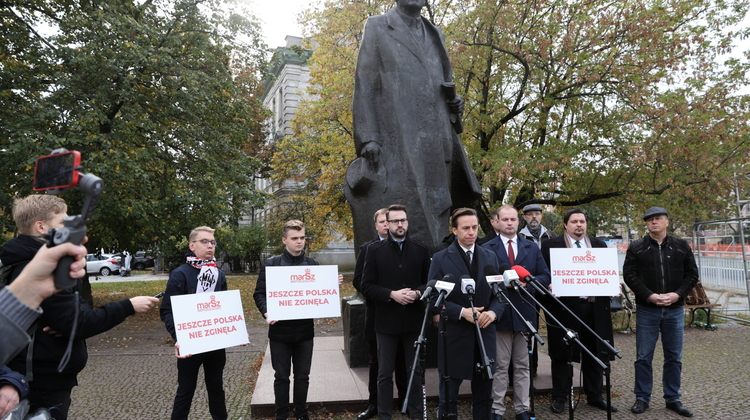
<point x="206" y="242"/>
<point x="398" y="222"/>
<point x="533" y="213"/>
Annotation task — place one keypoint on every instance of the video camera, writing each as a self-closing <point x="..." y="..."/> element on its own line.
<point x="54" y="174"/>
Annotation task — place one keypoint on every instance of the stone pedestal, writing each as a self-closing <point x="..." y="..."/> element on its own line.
<point x="356" y="347"/>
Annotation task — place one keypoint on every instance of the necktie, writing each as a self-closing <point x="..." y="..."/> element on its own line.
<point x="511" y="254"/>
<point x="468" y="254"/>
<point x="578" y="244"/>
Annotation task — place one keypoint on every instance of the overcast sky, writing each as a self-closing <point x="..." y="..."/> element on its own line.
<point x="279" y="18"/>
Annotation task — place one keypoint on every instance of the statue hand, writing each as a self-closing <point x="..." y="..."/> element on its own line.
<point x="457" y="105"/>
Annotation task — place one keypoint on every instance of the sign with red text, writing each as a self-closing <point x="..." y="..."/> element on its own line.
<point x="302" y="291"/>
<point x="584" y="271"/>
<point x="209" y="321"/>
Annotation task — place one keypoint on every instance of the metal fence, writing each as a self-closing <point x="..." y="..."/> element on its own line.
<point x="724" y="269"/>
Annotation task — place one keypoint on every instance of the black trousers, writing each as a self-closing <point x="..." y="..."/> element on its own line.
<point x="402" y="377"/>
<point x="187" y="380"/>
<point x="57" y="401"/>
<point x="387" y="349"/>
<point x="593" y="374"/>
<point x="284" y="356"/>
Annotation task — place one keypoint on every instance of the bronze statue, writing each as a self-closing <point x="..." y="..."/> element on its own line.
<point x="406" y="118"/>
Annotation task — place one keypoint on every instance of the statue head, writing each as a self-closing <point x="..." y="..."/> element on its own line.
<point x="410" y="7"/>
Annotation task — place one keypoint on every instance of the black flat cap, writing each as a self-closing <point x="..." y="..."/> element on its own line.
<point x="654" y="211"/>
<point x="532" y="207"/>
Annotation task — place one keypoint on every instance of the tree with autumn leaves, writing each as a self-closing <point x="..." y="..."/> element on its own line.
<point x="161" y="97"/>
<point x="615" y="105"/>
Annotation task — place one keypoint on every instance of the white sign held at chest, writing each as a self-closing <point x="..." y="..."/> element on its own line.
<point x="302" y="291"/>
<point x="584" y="271"/>
<point x="209" y="321"/>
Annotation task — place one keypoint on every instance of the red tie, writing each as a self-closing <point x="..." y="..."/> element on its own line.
<point x="511" y="255"/>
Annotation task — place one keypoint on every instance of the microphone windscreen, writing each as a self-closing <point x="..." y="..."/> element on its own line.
<point x="431" y="283"/>
<point x="449" y="277"/>
<point x="504" y="267"/>
<point x="489" y="270"/>
<point x="522" y="272"/>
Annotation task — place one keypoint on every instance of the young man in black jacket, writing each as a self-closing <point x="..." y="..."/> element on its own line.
<point x="661" y="271"/>
<point x="36" y="215"/>
<point x="199" y="274"/>
<point x="290" y="341"/>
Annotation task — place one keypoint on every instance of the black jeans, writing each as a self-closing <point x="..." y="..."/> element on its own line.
<point x="388" y="345"/>
<point x="401" y="375"/>
<point x="187" y="379"/>
<point x="283" y="357"/>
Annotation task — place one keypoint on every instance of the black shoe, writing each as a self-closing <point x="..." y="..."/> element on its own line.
<point x="602" y="405"/>
<point x="369" y="413"/>
<point x="558" y="406"/>
<point x="678" y="408"/>
<point x="303" y="417"/>
<point x="639" y="407"/>
<point x="524" y="415"/>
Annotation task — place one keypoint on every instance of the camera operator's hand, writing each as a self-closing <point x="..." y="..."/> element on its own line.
<point x="37" y="281"/>
<point x="9" y="399"/>
<point x="142" y="304"/>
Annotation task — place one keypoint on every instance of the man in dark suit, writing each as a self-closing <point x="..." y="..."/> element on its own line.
<point x="381" y="227"/>
<point x="594" y="311"/>
<point x="495" y="228"/>
<point x="512" y="249"/>
<point x="394" y="277"/>
<point x="461" y="353"/>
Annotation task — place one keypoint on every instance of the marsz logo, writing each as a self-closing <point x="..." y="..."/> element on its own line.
<point x="211" y="305"/>
<point x="588" y="258"/>
<point x="303" y="278"/>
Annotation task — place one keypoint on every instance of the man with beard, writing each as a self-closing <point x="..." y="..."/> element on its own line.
<point x="394" y="277"/>
<point x="534" y="230"/>
<point x="381" y="228"/>
<point x="594" y="311"/>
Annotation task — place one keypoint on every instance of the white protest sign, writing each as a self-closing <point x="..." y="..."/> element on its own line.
<point x="302" y="291"/>
<point x="584" y="271"/>
<point x="209" y="321"/>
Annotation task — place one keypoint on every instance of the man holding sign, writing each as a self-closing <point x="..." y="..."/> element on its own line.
<point x="291" y="340"/>
<point x="593" y="310"/>
<point x="198" y="275"/>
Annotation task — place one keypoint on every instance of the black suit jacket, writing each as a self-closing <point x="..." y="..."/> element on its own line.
<point x="389" y="268"/>
<point x="462" y="340"/>
<point x="603" y="319"/>
<point x="357" y="283"/>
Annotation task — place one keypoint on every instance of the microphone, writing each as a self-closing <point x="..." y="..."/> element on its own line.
<point x="511" y="279"/>
<point x="445" y="286"/>
<point x="494" y="279"/>
<point x="502" y="268"/>
<point x="523" y="273"/>
<point x="467" y="285"/>
<point x="428" y="290"/>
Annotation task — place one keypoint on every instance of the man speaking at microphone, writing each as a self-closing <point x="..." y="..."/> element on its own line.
<point x="461" y="353"/>
<point x="511" y="249"/>
<point x="394" y="276"/>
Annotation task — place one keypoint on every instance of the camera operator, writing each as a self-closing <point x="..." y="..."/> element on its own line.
<point x="36" y="215"/>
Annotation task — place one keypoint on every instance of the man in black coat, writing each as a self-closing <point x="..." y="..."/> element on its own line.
<point x="394" y="277"/>
<point x="460" y="354"/>
<point x="594" y="311"/>
<point x="381" y="228"/>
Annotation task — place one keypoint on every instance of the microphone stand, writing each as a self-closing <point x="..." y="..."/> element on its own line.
<point x="572" y="335"/>
<point x="419" y="356"/>
<point x="530" y="335"/>
<point x="446" y="414"/>
<point x="486" y="363"/>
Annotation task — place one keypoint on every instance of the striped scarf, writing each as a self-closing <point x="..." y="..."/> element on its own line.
<point x="209" y="275"/>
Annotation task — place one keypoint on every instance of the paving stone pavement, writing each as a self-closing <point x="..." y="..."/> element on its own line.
<point x="125" y="383"/>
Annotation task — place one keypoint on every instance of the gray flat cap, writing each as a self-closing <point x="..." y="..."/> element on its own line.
<point x="532" y="207"/>
<point x="654" y="211"/>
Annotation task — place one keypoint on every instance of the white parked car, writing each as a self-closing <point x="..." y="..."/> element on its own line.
<point x="104" y="265"/>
